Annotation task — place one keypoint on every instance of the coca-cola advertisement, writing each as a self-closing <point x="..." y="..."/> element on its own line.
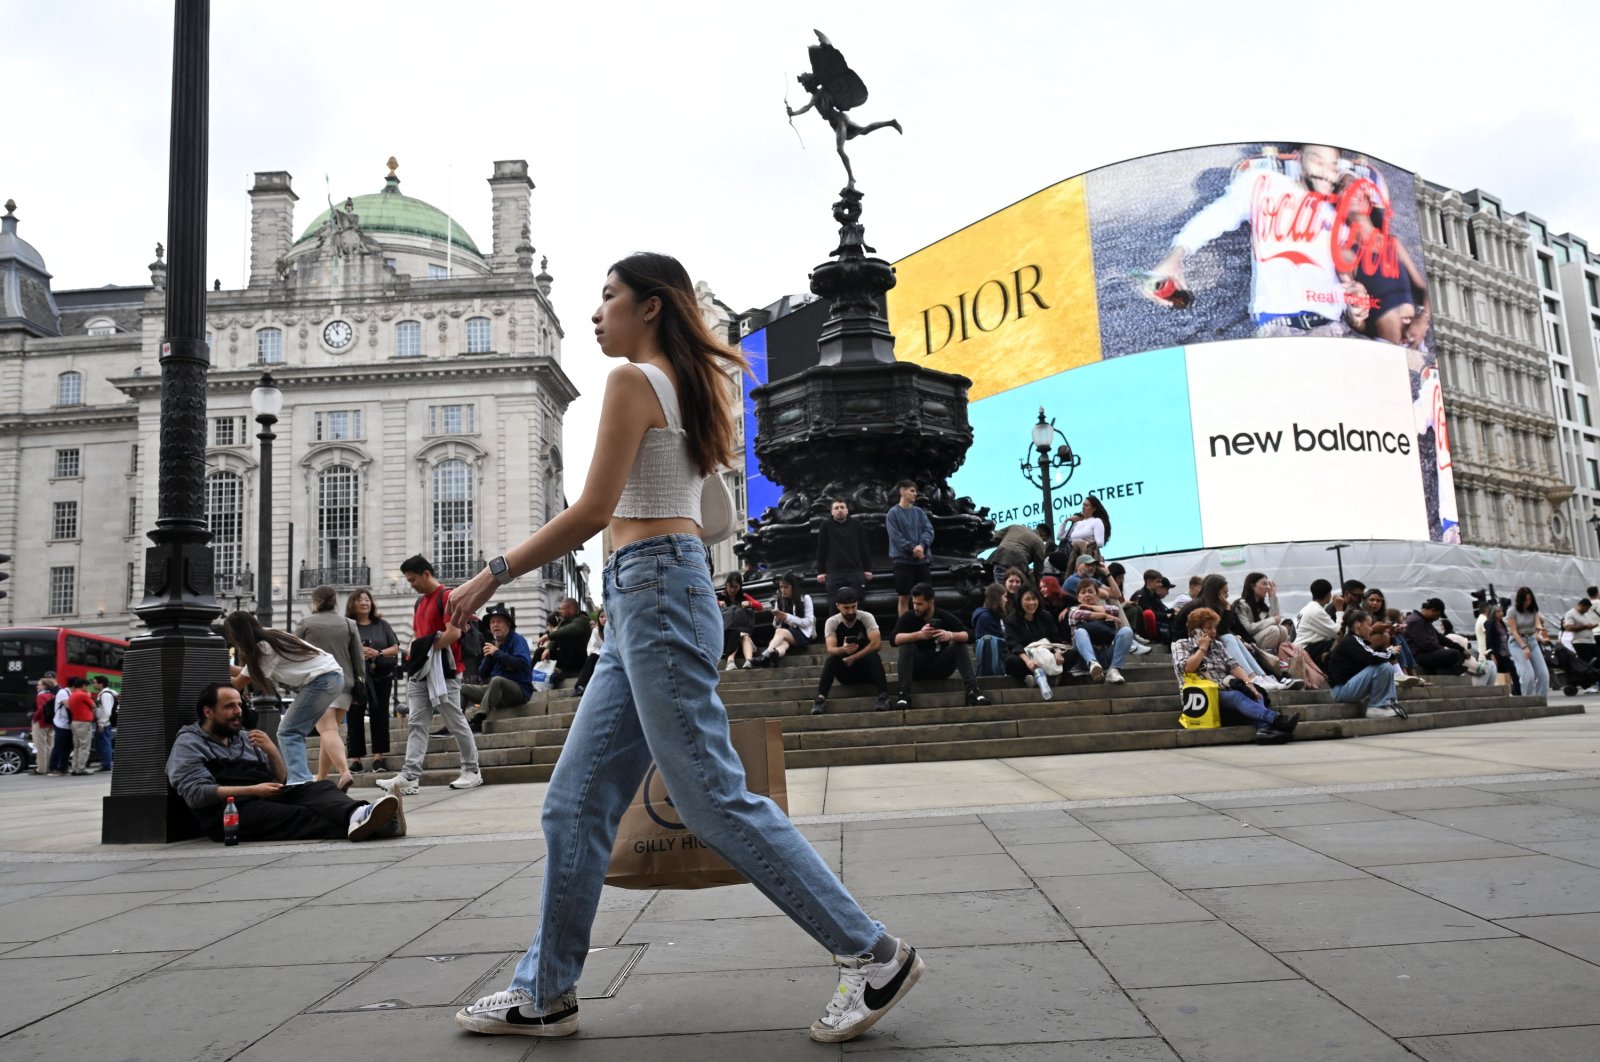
<point x="1269" y="240"/>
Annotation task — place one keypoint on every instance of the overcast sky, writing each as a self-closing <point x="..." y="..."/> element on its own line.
<point x="661" y="126"/>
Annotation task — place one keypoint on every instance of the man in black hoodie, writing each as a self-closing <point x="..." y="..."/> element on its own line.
<point x="843" y="555"/>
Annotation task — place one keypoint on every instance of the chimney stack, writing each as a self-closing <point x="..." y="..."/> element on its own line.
<point x="271" y="225"/>
<point x="513" y="211"/>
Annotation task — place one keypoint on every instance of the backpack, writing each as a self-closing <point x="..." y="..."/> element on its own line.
<point x="116" y="700"/>
<point x="991" y="656"/>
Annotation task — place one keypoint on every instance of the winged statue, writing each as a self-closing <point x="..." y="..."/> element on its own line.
<point x="834" y="89"/>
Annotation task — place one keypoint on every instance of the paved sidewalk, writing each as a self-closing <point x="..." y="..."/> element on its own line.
<point x="1429" y="894"/>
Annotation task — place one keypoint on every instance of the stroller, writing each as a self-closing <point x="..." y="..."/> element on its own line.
<point x="1578" y="675"/>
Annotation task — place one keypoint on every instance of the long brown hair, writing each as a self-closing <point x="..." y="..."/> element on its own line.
<point x="350" y="604"/>
<point x="245" y="633"/>
<point x="703" y="399"/>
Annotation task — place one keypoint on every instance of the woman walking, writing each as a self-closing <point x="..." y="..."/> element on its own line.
<point x="271" y="658"/>
<point x="381" y="650"/>
<point x="665" y="424"/>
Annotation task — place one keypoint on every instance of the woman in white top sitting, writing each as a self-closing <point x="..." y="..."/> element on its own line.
<point x="666" y="424"/>
<point x="1088" y="530"/>
<point x="271" y="658"/>
<point x="794" y="624"/>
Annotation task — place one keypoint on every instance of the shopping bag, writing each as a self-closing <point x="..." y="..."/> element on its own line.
<point x="654" y="850"/>
<point x="1202" y="708"/>
<point x="1043" y="652"/>
<point x="543" y="672"/>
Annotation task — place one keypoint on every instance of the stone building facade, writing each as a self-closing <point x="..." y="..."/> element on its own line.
<point x="423" y="406"/>
<point x="1489" y="337"/>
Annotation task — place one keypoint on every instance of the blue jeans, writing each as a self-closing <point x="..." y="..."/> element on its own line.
<point x="300" y="719"/>
<point x="61" y="751"/>
<point x="1372" y="686"/>
<point x="103" y="736"/>
<point x="1255" y="711"/>
<point x="1115" y="653"/>
<point x="654" y="696"/>
<point x="1240" y="654"/>
<point x="1532" y="671"/>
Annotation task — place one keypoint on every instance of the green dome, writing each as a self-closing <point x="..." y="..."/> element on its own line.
<point x="389" y="211"/>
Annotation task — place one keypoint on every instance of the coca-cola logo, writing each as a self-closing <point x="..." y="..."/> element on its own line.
<point x="1298" y="217"/>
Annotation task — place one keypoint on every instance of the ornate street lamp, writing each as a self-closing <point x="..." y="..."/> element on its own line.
<point x="266" y="401"/>
<point x="1043" y="468"/>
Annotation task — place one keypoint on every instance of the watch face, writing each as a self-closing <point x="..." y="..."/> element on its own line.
<point x="338" y="334"/>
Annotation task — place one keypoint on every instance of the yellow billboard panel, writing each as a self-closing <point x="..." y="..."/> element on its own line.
<point x="1005" y="301"/>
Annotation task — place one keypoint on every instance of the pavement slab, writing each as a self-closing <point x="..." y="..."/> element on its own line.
<point x="1339" y="914"/>
<point x="1586" y="852"/>
<point x="38" y="917"/>
<point x="1072" y="857"/>
<point x="1036" y="827"/>
<point x="1506" y="887"/>
<point x="271" y="882"/>
<point x="1175" y="828"/>
<point x="345" y="933"/>
<point x="1427" y="798"/>
<point x="922" y="842"/>
<point x="751" y="1000"/>
<point x="1181" y="953"/>
<point x="421" y="981"/>
<point x="424" y="1033"/>
<point x="1223" y="1023"/>
<point x="401" y="882"/>
<point x="956" y="919"/>
<point x="445" y="855"/>
<point x="147" y="880"/>
<point x="1577" y="934"/>
<point x="1518" y="823"/>
<point x="1030" y="993"/>
<point x="1572" y="1044"/>
<point x="1272" y="816"/>
<point x="967" y="873"/>
<point x="63" y="870"/>
<point x="174" y="1014"/>
<point x="160" y="927"/>
<point x="1398" y="840"/>
<point x="728" y="901"/>
<point x="31" y="989"/>
<point x="1462" y="986"/>
<point x="1142" y="1049"/>
<point x="771" y="943"/>
<point x="787" y="1045"/>
<point x="1119" y="900"/>
<point x="1237" y="861"/>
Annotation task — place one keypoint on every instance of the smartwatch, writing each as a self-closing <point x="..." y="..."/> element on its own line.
<point x="500" y="570"/>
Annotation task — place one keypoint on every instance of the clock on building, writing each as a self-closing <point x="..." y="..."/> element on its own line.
<point x="338" y="334"/>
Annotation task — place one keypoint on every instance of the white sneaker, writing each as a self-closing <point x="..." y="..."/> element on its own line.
<point x="1040" y="680"/>
<point x="399" y="784"/>
<point x="1382" y="711"/>
<point x="1404" y="681"/>
<point x="368" y="819"/>
<point x="731" y="665"/>
<point x="1138" y="648"/>
<point x="1096" y="673"/>
<point x="468" y="780"/>
<point x="866" y="991"/>
<point x="1267" y="682"/>
<point x="513" y="1013"/>
<point x="1114" y="677"/>
<point x="1292" y="683"/>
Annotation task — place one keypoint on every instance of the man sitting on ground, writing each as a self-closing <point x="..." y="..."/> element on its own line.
<point x="1432" y="655"/>
<point x="506" y="668"/>
<point x="569" y="641"/>
<point x="933" y="643"/>
<point x="852" y="641"/>
<point x="1200" y="653"/>
<point x="1315" y="627"/>
<point x="213" y="759"/>
<point x="1360" y="668"/>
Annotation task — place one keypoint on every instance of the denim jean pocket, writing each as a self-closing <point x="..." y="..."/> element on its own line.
<point x="706" y="618"/>
<point x="635" y="573"/>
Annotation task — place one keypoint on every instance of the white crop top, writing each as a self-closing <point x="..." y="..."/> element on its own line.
<point x="664" y="482"/>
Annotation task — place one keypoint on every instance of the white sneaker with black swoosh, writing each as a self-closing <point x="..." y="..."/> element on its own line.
<point x="866" y="991"/>
<point x="512" y="1013"/>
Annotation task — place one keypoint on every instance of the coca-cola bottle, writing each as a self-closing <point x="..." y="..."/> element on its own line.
<point x="1164" y="289"/>
<point x="230" y="824"/>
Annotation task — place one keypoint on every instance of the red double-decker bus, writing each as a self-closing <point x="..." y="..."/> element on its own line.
<point x="27" y="653"/>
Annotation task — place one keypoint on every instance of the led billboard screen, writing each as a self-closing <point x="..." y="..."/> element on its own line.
<point x="1233" y="339"/>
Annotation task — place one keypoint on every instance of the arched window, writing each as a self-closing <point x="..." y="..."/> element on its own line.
<point x="453" y="519"/>
<point x="477" y="335"/>
<point x="338" y="523"/>
<point x="225" y="515"/>
<point x="269" y="346"/>
<point x="69" y="389"/>
<point x="408" y="339"/>
<point x="101" y="326"/>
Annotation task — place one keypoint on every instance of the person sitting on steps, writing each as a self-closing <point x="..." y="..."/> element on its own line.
<point x="1100" y="631"/>
<point x="1028" y="623"/>
<point x="1361" y="666"/>
<point x="852" y="641"/>
<point x="597" y="643"/>
<point x="506" y="668"/>
<point x="932" y="644"/>
<point x="1200" y="652"/>
<point x="737" y="621"/>
<point x="794" y="621"/>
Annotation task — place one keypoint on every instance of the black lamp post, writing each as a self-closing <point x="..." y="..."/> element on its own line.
<point x="165" y="670"/>
<point x="266" y="401"/>
<point x="1040" y="470"/>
